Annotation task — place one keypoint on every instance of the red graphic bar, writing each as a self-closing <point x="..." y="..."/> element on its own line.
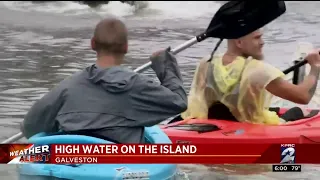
<point x="204" y="153"/>
<point x="164" y="153"/>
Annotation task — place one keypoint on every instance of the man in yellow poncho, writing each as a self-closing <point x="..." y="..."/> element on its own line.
<point x="242" y="82"/>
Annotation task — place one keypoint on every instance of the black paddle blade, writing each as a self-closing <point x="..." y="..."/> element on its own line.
<point x="239" y="18"/>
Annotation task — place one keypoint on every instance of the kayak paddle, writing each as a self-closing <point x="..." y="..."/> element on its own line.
<point x="233" y="20"/>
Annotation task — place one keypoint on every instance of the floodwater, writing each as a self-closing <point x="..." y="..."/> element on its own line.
<point x="41" y="44"/>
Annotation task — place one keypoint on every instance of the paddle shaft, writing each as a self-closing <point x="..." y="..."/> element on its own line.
<point x="174" y="51"/>
<point x="183" y="46"/>
<point x="13" y="138"/>
<point x="299" y="64"/>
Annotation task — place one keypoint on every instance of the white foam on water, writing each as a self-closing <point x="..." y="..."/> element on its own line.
<point x="149" y="9"/>
<point x="184" y="9"/>
<point x="68" y="7"/>
<point x="116" y="8"/>
<point x="53" y="7"/>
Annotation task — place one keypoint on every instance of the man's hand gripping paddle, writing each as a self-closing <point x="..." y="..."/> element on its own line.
<point x="233" y="20"/>
<point x="298" y="56"/>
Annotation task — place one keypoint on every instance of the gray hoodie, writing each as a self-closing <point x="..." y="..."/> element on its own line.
<point x="114" y="103"/>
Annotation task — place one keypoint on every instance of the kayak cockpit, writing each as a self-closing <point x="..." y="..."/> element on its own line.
<point x="198" y="127"/>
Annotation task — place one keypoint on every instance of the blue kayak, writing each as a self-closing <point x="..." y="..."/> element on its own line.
<point x="153" y="135"/>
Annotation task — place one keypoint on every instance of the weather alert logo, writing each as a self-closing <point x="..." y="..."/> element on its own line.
<point x="288" y="154"/>
<point x="28" y="153"/>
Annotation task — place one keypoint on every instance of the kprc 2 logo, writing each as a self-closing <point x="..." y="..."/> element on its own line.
<point x="288" y="154"/>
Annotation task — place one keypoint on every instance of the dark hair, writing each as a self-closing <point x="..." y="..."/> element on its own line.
<point x="110" y="37"/>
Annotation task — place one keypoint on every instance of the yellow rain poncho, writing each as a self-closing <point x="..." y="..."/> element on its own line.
<point x="239" y="85"/>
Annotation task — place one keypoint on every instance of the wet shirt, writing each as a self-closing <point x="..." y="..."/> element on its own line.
<point x="239" y="85"/>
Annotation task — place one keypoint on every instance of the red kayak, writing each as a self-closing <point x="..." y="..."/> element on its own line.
<point x="224" y="131"/>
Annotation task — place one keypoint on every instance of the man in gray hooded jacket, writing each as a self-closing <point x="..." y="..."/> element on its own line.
<point x="107" y="100"/>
